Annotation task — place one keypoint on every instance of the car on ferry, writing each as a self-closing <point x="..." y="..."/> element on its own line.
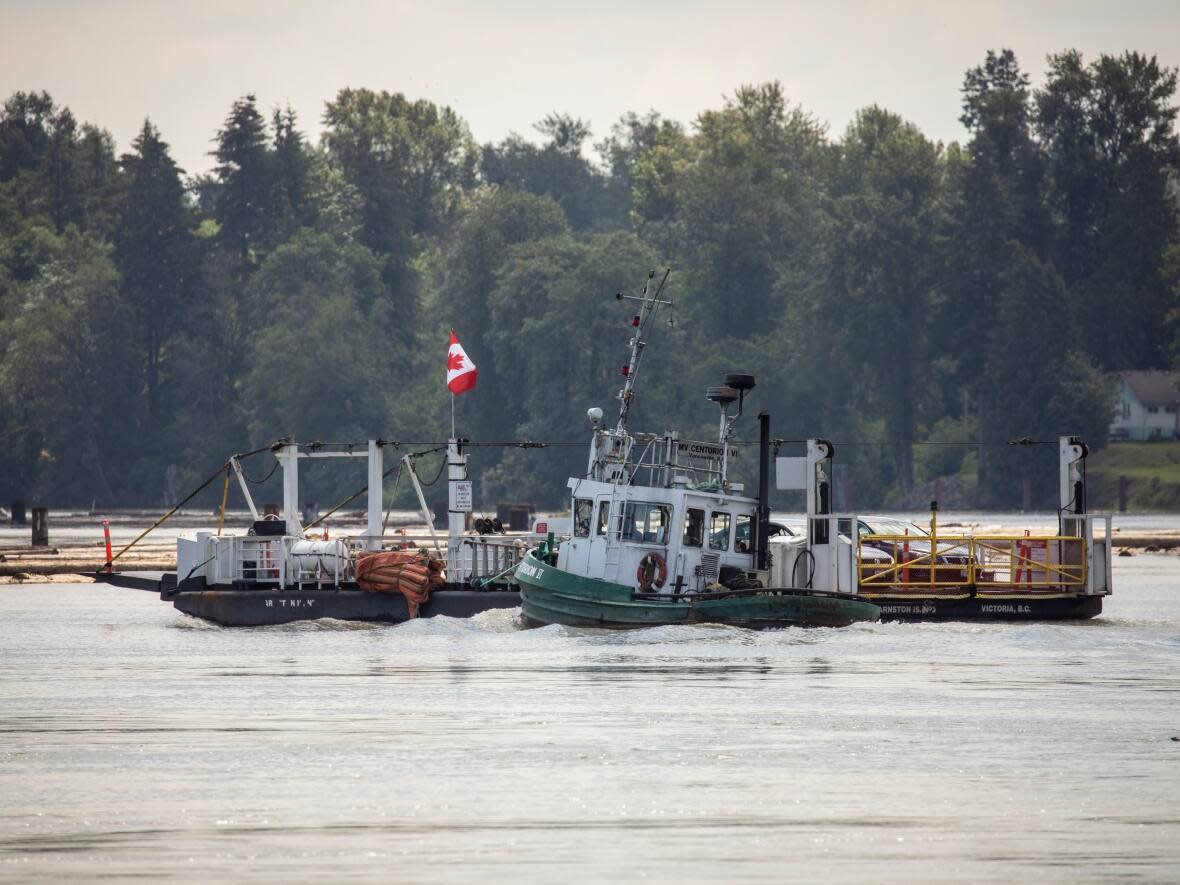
<point x="869" y="527"/>
<point x="741" y="534"/>
<point x="886" y="542"/>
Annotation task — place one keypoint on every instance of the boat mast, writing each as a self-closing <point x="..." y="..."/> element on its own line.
<point x="649" y="301"/>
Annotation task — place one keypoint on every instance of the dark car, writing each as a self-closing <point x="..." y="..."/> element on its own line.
<point x="898" y="545"/>
<point x="741" y="534"/>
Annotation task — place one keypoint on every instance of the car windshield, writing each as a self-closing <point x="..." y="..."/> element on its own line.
<point x="877" y="525"/>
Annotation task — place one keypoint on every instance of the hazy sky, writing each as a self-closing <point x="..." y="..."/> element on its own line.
<point x="504" y="64"/>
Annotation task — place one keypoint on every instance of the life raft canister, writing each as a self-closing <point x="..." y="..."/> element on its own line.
<point x="652" y="571"/>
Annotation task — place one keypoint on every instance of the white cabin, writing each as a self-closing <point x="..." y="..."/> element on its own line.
<point x="694" y="533"/>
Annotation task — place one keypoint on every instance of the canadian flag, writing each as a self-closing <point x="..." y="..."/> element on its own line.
<point x="461" y="371"/>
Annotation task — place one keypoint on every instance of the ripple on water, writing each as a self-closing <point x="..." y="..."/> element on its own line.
<point x="133" y="738"/>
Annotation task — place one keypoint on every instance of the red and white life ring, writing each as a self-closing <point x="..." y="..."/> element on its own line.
<point x="652" y="571"/>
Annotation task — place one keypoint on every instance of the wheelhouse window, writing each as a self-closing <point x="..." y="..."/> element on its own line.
<point x="719" y="530"/>
<point x="603" y="517"/>
<point x="646" y="523"/>
<point x="583" y="511"/>
<point x="742" y="540"/>
<point x="694" y="527"/>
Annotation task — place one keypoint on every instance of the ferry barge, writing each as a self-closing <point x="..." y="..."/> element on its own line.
<point x="277" y="574"/>
<point x="660" y="534"/>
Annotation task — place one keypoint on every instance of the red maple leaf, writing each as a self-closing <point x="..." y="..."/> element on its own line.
<point x="454" y="361"/>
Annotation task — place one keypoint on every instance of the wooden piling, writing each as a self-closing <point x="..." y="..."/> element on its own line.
<point x="40" y="526"/>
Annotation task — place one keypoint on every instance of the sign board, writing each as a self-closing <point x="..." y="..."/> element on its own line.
<point x="460" y="496"/>
<point x="790" y="473"/>
<point x="690" y="449"/>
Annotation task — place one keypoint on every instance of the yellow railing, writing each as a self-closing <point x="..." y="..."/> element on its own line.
<point x="1029" y="562"/>
<point x="993" y="562"/>
<point x="917" y="562"/>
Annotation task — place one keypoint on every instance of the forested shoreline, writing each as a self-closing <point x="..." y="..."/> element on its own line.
<point x="919" y="303"/>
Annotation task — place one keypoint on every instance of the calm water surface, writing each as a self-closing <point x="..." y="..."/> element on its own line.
<point x="137" y="742"/>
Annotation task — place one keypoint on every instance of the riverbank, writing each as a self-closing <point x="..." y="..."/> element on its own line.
<point x="1147" y="472"/>
<point x="70" y="563"/>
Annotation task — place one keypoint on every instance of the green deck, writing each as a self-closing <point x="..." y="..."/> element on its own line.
<point x="549" y="595"/>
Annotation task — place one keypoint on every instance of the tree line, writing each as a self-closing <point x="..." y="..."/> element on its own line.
<point x="919" y="303"/>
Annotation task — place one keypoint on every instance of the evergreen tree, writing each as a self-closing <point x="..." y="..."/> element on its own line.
<point x="243" y="171"/>
<point x="1039" y="385"/>
<point x="556" y="169"/>
<point x="494" y="222"/>
<point x="154" y="252"/>
<point x="883" y="290"/>
<point x="630" y="139"/>
<point x="65" y="375"/>
<point x="736" y="207"/>
<point x="26" y="126"/>
<point x="39" y="159"/>
<point x="98" y="173"/>
<point x="410" y="163"/>
<point x="290" y="200"/>
<point x="409" y="160"/>
<point x="883" y="274"/>
<point x="996" y="199"/>
<point x="1109" y="130"/>
<point x="315" y="367"/>
<point x="548" y="288"/>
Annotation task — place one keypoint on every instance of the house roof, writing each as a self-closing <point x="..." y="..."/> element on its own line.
<point x="1153" y="388"/>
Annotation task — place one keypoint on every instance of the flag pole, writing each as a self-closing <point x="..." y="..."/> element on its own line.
<point x="452" y="416"/>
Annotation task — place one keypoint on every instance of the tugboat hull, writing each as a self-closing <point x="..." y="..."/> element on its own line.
<point x="549" y="595"/>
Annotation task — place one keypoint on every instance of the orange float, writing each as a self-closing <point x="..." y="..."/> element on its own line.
<point x="400" y="571"/>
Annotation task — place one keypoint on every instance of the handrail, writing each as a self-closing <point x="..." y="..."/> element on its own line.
<point x="989" y="562"/>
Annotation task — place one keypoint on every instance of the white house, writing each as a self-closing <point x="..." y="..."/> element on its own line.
<point x="1148" y="406"/>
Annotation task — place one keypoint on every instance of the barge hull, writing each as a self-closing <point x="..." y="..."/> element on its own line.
<point x="237" y="606"/>
<point x="258" y="608"/>
<point x="1069" y="608"/>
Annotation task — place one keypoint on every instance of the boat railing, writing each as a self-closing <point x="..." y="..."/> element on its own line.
<point x="472" y="558"/>
<point x="1030" y="563"/>
<point x="984" y="562"/>
<point x="917" y="561"/>
<point x="480" y="557"/>
<point x="660" y="458"/>
<point x="260" y="560"/>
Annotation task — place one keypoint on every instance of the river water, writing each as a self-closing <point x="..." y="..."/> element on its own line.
<point x="138" y="742"/>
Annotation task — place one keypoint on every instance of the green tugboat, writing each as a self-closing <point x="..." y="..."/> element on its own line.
<point x="552" y="596"/>
<point x="661" y="535"/>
